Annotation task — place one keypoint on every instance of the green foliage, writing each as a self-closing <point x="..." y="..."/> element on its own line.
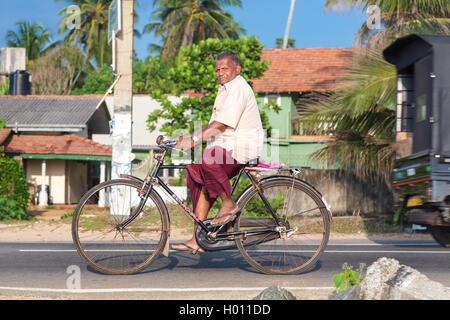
<point x="149" y="77"/>
<point x="400" y="216"/>
<point x="271" y="105"/>
<point x="279" y="43"/>
<point x="360" y="114"/>
<point x="183" y="23"/>
<point x="195" y="71"/>
<point x="32" y="37"/>
<point x="256" y="207"/>
<point x="398" y="18"/>
<point x="97" y="82"/>
<point x="59" y="71"/>
<point x="14" y="196"/>
<point x="11" y="210"/>
<point x="4" y="88"/>
<point x="92" y="33"/>
<point x="67" y="216"/>
<point x="348" y="277"/>
<point x="152" y="77"/>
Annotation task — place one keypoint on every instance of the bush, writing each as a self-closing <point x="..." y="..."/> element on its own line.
<point x="4" y="88"/>
<point x="96" y="82"/>
<point x="348" y="277"/>
<point x="14" y="195"/>
<point x="11" y="210"/>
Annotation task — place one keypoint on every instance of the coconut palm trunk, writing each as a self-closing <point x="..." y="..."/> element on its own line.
<point x="288" y="25"/>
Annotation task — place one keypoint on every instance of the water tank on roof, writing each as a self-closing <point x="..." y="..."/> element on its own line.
<point x="19" y="83"/>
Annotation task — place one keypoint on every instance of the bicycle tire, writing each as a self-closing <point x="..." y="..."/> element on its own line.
<point x="108" y="249"/>
<point x="284" y="253"/>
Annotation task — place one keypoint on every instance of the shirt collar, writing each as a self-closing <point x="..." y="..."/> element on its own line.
<point x="229" y="83"/>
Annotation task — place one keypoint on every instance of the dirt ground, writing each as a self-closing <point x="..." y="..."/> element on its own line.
<point x="47" y="226"/>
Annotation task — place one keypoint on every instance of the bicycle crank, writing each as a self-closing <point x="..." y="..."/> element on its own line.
<point x="286" y="233"/>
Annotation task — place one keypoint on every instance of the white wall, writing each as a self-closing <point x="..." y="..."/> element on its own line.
<point x="55" y="177"/>
<point x="143" y="105"/>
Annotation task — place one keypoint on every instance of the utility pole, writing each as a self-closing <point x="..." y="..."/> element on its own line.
<point x="123" y="96"/>
<point x="288" y="25"/>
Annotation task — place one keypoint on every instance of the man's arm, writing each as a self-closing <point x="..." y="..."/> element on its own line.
<point x="210" y="130"/>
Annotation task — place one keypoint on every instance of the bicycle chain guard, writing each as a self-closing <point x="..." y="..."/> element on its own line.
<point x="208" y="244"/>
<point x="212" y="245"/>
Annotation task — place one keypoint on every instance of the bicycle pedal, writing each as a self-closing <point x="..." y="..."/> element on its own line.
<point x="291" y="232"/>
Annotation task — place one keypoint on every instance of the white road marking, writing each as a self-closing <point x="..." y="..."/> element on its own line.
<point x="263" y="250"/>
<point x="121" y="290"/>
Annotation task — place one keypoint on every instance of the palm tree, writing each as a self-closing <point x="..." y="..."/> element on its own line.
<point x="288" y="25"/>
<point x="92" y="33"/>
<point x="399" y="17"/>
<point x="32" y="37"/>
<point x="361" y="112"/>
<point x="279" y="43"/>
<point x="185" y="22"/>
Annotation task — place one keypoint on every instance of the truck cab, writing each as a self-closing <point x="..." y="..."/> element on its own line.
<point x="421" y="177"/>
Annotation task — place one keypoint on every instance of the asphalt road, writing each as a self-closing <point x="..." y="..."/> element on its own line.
<point x="47" y="270"/>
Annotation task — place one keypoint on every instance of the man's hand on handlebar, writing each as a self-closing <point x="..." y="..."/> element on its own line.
<point x="184" y="142"/>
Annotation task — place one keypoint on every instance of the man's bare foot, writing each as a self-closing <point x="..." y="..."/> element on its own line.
<point x="226" y="214"/>
<point x="189" y="245"/>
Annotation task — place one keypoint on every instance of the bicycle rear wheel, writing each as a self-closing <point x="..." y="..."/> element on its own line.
<point x="97" y="232"/>
<point x="301" y="240"/>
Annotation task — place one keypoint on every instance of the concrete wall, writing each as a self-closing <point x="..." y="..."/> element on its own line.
<point x="55" y="177"/>
<point x="67" y="179"/>
<point x="143" y="105"/>
<point x="348" y="194"/>
<point x="77" y="184"/>
<point x="12" y="59"/>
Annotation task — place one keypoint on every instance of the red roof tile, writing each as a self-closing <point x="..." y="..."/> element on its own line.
<point x="296" y="70"/>
<point x="60" y="144"/>
<point x="4" y="134"/>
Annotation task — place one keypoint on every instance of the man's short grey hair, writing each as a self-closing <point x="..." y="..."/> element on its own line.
<point x="224" y="54"/>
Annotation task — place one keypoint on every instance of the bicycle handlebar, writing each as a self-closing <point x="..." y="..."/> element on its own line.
<point x="165" y="143"/>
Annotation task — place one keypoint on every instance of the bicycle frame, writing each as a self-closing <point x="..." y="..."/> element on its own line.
<point x="152" y="178"/>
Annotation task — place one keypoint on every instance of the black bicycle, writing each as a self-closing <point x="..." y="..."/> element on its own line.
<point x="121" y="226"/>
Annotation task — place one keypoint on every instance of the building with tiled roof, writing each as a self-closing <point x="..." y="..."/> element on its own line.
<point x="78" y="114"/>
<point x="4" y="134"/>
<point x="293" y="79"/>
<point x="51" y="136"/>
<point x="303" y="70"/>
<point x="61" y="146"/>
<point x="70" y="135"/>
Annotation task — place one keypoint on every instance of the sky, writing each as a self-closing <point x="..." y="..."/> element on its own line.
<point x="311" y="26"/>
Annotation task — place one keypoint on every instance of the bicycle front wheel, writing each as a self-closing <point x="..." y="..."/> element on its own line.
<point x="102" y="239"/>
<point x="304" y="231"/>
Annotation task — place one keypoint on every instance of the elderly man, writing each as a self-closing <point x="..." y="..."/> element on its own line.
<point x="234" y="136"/>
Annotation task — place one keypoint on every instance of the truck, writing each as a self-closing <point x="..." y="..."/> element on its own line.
<point x="421" y="175"/>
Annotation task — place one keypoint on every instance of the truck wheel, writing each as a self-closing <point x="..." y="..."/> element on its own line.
<point x="441" y="235"/>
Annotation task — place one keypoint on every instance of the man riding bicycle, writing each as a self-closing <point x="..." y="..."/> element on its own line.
<point x="234" y="136"/>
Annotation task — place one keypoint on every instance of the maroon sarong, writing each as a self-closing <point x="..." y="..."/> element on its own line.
<point x="213" y="173"/>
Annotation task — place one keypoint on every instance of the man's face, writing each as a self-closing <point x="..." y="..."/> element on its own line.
<point x="226" y="70"/>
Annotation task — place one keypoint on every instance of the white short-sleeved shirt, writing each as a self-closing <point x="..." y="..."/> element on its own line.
<point x="236" y="107"/>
